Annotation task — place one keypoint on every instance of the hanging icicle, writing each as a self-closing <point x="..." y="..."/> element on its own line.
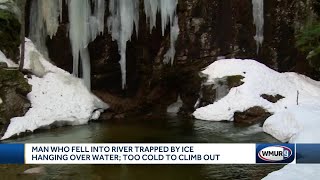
<point x="167" y="10"/>
<point x="124" y="15"/>
<point x="258" y="20"/>
<point x="174" y="33"/>
<point x="44" y="20"/>
<point x="84" y="28"/>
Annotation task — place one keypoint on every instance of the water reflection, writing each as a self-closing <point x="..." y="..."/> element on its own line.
<point x="154" y="130"/>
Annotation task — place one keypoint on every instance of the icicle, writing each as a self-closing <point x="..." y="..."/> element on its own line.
<point x="79" y="13"/>
<point x="60" y="9"/>
<point x="151" y="8"/>
<point x="50" y="13"/>
<point x="174" y="33"/>
<point x="167" y="11"/>
<point x="258" y="18"/>
<point x="44" y="20"/>
<point x="97" y="19"/>
<point x="124" y="15"/>
<point x="38" y="32"/>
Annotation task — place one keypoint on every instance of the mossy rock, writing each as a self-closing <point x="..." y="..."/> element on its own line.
<point x="13" y="90"/>
<point x="9" y="34"/>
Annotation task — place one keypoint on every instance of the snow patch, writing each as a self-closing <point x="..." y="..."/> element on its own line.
<point x="56" y="97"/>
<point x="175" y="107"/>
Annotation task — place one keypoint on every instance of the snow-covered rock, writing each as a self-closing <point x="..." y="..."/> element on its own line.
<point x="56" y="97"/>
<point x="291" y="121"/>
<point x="259" y="79"/>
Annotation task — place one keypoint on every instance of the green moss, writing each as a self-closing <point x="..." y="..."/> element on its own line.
<point x="308" y="42"/>
<point x="9" y="34"/>
<point x="235" y="81"/>
<point x="14" y="78"/>
<point x="13" y="89"/>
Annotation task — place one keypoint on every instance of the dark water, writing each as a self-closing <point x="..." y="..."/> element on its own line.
<point x="161" y="129"/>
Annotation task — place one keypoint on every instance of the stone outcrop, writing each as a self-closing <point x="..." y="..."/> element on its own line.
<point x="9" y="29"/>
<point x="251" y="116"/>
<point x="13" y="91"/>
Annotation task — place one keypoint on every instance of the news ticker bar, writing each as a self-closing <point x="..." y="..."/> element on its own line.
<point x="159" y="153"/>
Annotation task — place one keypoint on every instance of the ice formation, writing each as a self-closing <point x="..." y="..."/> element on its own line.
<point x="86" y="24"/>
<point x="174" y="33"/>
<point x="124" y="17"/>
<point x="258" y="19"/>
<point x="167" y="10"/>
<point x="84" y="28"/>
<point x="44" y="20"/>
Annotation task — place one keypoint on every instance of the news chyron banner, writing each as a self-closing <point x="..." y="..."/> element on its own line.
<point x="159" y="153"/>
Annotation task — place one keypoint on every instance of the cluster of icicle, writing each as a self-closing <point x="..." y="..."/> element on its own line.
<point x="86" y="25"/>
<point x="124" y="19"/>
<point x="258" y="20"/>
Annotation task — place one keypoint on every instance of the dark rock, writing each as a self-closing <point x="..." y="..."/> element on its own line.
<point x="106" y="116"/>
<point x="251" y="116"/>
<point x="13" y="90"/>
<point x="3" y="65"/>
<point x="271" y="98"/>
<point x="9" y="31"/>
<point x="235" y="81"/>
<point x="210" y="93"/>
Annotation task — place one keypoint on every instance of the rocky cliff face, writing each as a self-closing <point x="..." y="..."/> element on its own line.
<point x="208" y="29"/>
<point x="13" y="91"/>
<point x="9" y="29"/>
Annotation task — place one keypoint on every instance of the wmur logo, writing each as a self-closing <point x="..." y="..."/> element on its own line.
<point x="275" y="153"/>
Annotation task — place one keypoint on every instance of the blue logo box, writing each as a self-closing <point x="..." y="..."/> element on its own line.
<point x="275" y="153"/>
<point x="11" y="153"/>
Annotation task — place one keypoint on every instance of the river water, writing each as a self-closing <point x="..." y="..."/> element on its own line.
<point x="148" y="130"/>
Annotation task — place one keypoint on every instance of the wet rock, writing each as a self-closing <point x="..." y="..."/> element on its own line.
<point x="251" y="116"/>
<point x="36" y="171"/>
<point x="271" y="98"/>
<point x="13" y="91"/>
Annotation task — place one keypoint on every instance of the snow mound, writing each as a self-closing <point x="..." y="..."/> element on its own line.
<point x="56" y="97"/>
<point x="289" y="123"/>
<point x="259" y="79"/>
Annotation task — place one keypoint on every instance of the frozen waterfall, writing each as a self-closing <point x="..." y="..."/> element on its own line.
<point x="84" y="28"/>
<point x="44" y="21"/>
<point x="258" y="19"/>
<point x="124" y="17"/>
<point x="86" y="18"/>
